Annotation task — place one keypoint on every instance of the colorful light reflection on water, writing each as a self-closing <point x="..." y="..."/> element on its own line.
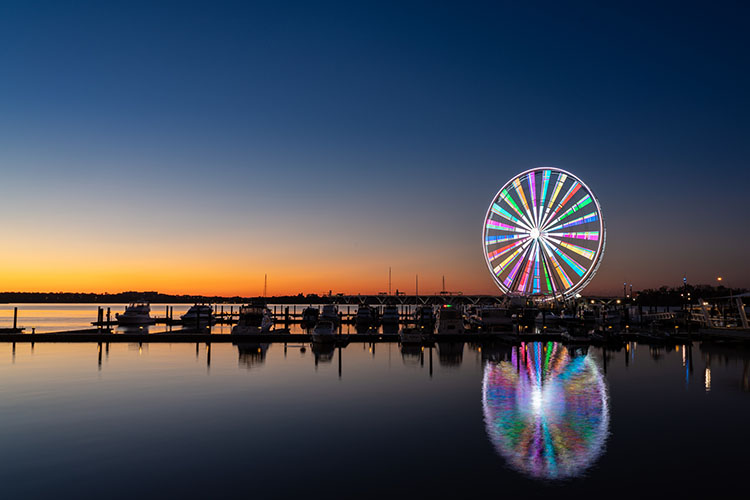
<point x="546" y="410"/>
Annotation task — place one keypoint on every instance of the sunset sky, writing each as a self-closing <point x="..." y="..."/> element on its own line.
<point x="194" y="146"/>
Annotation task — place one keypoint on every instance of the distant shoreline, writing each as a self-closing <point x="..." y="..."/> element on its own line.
<point x="152" y="297"/>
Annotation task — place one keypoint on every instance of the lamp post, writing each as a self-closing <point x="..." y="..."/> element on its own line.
<point x="723" y="309"/>
<point x="684" y="292"/>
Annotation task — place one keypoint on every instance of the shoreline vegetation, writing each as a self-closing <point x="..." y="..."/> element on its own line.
<point x="662" y="296"/>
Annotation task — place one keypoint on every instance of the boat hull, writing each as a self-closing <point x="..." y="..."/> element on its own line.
<point x="134" y="320"/>
<point x="250" y="330"/>
<point x="323" y="338"/>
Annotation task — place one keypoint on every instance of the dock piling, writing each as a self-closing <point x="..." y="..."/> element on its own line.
<point x="15" y="318"/>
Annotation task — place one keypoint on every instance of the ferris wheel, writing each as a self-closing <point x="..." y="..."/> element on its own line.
<point x="543" y="234"/>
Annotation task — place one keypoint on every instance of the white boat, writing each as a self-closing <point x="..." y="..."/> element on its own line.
<point x="450" y="320"/>
<point x="324" y="331"/>
<point x="254" y="319"/>
<point x="199" y="313"/>
<point x="390" y="315"/>
<point x="137" y="313"/>
<point x="489" y="318"/>
<point x="330" y="313"/>
<point x="411" y="334"/>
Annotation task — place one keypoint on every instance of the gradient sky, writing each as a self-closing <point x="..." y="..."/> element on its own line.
<point x="191" y="147"/>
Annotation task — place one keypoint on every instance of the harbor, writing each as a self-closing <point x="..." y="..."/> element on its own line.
<point x="374" y="250"/>
<point x="478" y="318"/>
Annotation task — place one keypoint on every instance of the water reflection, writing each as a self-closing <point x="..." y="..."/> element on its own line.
<point x="412" y="354"/>
<point x="546" y="410"/>
<point x="725" y="354"/>
<point x="323" y="351"/>
<point x="450" y="353"/>
<point x="251" y="353"/>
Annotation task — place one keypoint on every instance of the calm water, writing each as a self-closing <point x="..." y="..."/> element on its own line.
<point x="45" y="318"/>
<point x="372" y="421"/>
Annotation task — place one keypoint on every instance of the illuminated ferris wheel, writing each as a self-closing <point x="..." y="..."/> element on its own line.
<point x="544" y="234"/>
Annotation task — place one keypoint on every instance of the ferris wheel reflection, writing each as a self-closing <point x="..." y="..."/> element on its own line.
<point x="546" y="410"/>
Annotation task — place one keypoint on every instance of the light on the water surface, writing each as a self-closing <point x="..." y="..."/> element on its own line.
<point x="547" y="411"/>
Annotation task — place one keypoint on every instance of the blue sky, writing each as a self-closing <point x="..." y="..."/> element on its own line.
<point x="356" y="135"/>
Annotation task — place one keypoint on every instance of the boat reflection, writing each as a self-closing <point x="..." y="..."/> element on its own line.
<point x="133" y="329"/>
<point x="412" y="354"/>
<point x="450" y="353"/>
<point x="251" y="353"/>
<point x="546" y="410"/>
<point x="323" y="351"/>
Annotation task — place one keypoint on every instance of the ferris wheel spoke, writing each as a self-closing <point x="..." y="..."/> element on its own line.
<point x="495" y="254"/>
<point x="536" y="277"/>
<point x="548" y="278"/>
<point x="561" y="178"/>
<point x="569" y="260"/>
<point x="507" y="198"/>
<point x="557" y="277"/>
<point x="585" y="219"/>
<point x="583" y="252"/>
<point x="500" y="211"/>
<point x="522" y="196"/>
<point x="583" y="202"/>
<point x="532" y="190"/>
<point x="511" y="278"/>
<point x="585" y="235"/>
<point x="510" y="259"/>
<point x="502" y="238"/>
<point x="499" y="226"/>
<point x="572" y="190"/>
<point x="567" y="283"/>
<point x="545" y="185"/>
<point x="527" y="269"/>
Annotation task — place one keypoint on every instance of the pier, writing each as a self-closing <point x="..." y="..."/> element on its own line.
<point x="590" y="320"/>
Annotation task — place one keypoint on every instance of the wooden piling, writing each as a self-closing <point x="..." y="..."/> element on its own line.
<point x="15" y="318"/>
